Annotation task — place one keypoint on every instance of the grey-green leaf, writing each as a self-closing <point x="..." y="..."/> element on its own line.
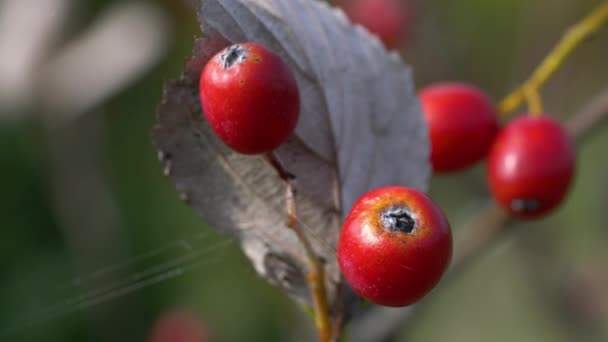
<point x="360" y="127"/>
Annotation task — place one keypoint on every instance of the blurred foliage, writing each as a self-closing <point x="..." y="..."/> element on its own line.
<point x="494" y="44"/>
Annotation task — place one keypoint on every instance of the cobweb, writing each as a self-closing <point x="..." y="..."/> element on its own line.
<point x="164" y="263"/>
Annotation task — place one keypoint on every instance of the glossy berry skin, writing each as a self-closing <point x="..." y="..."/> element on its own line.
<point x="394" y="246"/>
<point x="462" y="125"/>
<point x="250" y="98"/>
<point x="531" y="166"/>
<point x="178" y="326"/>
<point x="387" y="19"/>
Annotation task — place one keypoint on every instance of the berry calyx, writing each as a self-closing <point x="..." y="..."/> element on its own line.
<point x="394" y="246"/>
<point x="250" y="98"/>
<point x="531" y="166"/>
<point x="388" y="19"/>
<point x="462" y="124"/>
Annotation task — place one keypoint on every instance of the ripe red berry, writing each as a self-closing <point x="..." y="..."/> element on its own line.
<point x="462" y="124"/>
<point x="388" y="19"/>
<point x="530" y="166"/>
<point x="394" y="246"/>
<point x="178" y="326"/>
<point x="250" y="98"/>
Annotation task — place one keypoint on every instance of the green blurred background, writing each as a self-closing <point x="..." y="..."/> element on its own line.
<point x="85" y="206"/>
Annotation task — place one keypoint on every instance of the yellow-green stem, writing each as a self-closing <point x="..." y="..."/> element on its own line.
<point x="569" y="42"/>
<point x="535" y="103"/>
<point x="315" y="275"/>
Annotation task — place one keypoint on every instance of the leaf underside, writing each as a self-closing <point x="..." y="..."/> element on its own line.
<point x="360" y="127"/>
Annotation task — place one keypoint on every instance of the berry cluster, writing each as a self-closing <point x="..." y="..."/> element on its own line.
<point x="530" y="161"/>
<point x="395" y="243"/>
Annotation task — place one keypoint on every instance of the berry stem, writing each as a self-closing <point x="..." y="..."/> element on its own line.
<point x="567" y="44"/>
<point x="316" y="272"/>
<point x="535" y="103"/>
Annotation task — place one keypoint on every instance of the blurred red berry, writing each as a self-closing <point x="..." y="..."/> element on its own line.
<point x="462" y="124"/>
<point x="388" y="19"/>
<point x="179" y="326"/>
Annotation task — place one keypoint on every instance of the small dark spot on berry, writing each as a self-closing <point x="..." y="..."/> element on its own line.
<point x="232" y="55"/>
<point x="398" y="218"/>
<point x="525" y="205"/>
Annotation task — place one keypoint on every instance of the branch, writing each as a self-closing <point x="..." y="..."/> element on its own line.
<point x="316" y="273"/>
<point x="589" y="117"/>
<point x="482" y="232"/>
<point x="530" y="89"/>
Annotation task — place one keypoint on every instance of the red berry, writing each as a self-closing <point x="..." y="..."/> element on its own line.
<point x="394" y="246"/>
<point x="530" y="166"/>
<point x="178" y="326"/>
<point x="250" y="98"/>
<point x="388" y="19"/>
<point x="462" y="124"/>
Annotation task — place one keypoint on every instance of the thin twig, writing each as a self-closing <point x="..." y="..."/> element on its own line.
<point x="589" y="116"/>
<point x="483" y="227"/>
<point x="316" y="273"/>
<point x="564" y="48"/>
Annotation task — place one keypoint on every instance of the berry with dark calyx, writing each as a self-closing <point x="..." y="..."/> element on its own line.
<point x="462" y="124"/>
<point x="250" y="98"/>
<point x="531" y="166"/>
<point x="394" y="246"/>
<point x="388" y="19"/>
